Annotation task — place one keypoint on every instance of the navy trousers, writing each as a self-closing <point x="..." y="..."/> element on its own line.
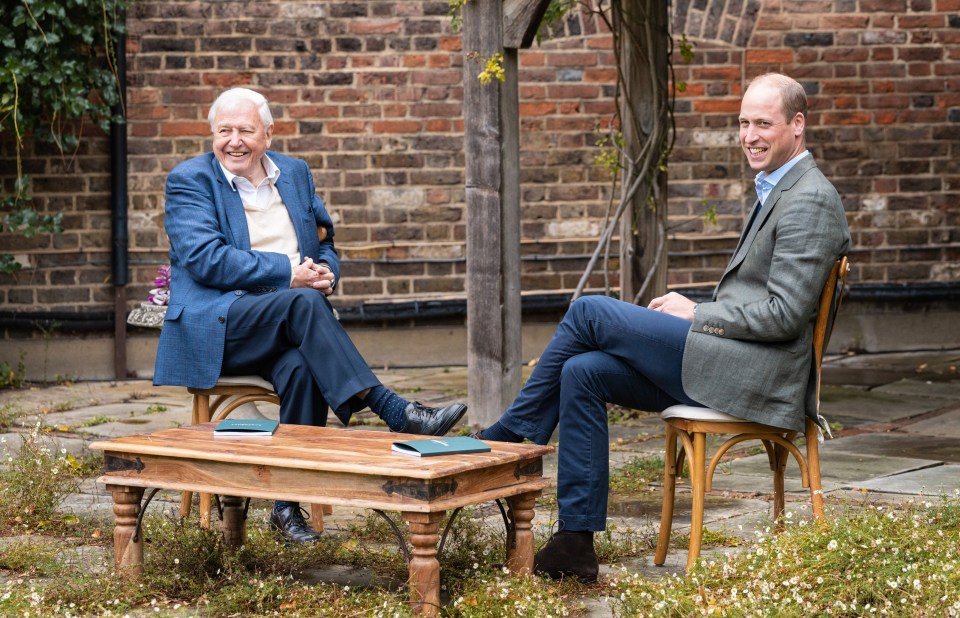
<point x="293" y="339"/>
<point x="604" y="350"/>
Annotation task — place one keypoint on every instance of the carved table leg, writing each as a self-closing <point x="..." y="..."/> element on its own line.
<point x="234" y="524"/>
<point x="424" y="566"/>
<point x="520" y="539"/>
<point x="127" y="551"/>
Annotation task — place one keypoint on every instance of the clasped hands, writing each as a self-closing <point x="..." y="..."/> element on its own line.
<point x="311" y="275"/>
<point x="673" y="304"/>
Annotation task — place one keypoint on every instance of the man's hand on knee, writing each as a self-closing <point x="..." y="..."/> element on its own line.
<point x="674" y="304"/>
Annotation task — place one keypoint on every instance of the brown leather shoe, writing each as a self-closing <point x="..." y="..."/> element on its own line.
<point x="568" y="554"/>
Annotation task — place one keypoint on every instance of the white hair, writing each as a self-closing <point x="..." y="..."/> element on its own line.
<point x="241" y="94"/>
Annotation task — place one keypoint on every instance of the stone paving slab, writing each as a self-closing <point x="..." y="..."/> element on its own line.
<point x="852" y="406"/>
<point x="945" y="426"/>
<point x="133" y="413"/>
<point x="936" y="480"/>
<point x="920" y="387"/>
<point x="890" y="446"/>
<point x="838" y="464"/>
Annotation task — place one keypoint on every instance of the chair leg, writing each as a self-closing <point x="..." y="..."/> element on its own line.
<point x="669" y="493"/>
<point x="779" y="467"/>
<point x="698" y="474"/>
<point x="813" y="471"/>
<point x="186" y="498"/>
<point x="316" y="516"/>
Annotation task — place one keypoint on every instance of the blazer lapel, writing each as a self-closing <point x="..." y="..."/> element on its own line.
<point x="288" y="193"/>
<point x="234" y="216"/>
<point x="750" y="232"/>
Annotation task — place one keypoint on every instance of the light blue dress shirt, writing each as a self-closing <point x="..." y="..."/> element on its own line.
<point x="766" y="182"/>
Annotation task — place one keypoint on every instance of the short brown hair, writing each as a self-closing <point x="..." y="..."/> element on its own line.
<point x="792" y="95"/>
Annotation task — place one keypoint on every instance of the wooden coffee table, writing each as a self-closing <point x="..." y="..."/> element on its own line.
<point x="319" y="465"/>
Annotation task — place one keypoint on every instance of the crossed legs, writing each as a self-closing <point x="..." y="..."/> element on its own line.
<point x="604" y="350"/>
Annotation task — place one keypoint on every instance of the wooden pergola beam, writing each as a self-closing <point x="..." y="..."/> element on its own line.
<point x="521" y="18"/>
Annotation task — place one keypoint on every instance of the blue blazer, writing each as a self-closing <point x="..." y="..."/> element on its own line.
<point x="212" y="265"/>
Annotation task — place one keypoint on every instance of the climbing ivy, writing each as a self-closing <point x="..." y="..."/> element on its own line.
<point x="57" y="71"/>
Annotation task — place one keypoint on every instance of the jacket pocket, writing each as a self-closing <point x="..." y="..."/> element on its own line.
<point x="173" y="313"/>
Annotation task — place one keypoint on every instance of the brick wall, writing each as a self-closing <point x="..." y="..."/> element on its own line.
<point x="369" y="93"/>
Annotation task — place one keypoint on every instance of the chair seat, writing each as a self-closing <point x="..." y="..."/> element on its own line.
<point x="244" y="381"/>
<point x="696" y="413"/>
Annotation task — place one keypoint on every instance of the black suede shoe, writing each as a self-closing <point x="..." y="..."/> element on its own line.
<point x="568" y="554"/>
<point x="432" y="421"/>
<point x="289" y="522"/>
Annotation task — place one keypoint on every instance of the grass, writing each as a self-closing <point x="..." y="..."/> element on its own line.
<point x="636" y="475"/>
<point x="100" y="419"/>
<point x="9" y="413"/>
<point x="874" y="560"/>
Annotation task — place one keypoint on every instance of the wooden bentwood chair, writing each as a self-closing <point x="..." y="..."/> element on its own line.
<point x="690" y="425"/>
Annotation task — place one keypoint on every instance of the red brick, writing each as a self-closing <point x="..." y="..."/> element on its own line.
<point x="572" y="59"/>
<point x="408" y="126"/>
<point x="375" y="26"/>
<point x="171" y="129"/>
<point x="712" y="106"/>
<point x="769" y="56"/>
<point x="537" y="109"/>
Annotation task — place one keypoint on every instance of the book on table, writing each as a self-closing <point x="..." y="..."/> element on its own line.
<point x="432" y="447"/>
<point x="246" y="428"/>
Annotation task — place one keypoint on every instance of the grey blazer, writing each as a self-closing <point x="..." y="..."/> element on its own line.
<point x="749" y="352"/>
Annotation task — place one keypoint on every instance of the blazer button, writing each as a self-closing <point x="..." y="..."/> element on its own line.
<point x="706" y="328"/>
<point x="720" y="332"/>
<point x="238" y="292"/>
<point x="221" y="319"/>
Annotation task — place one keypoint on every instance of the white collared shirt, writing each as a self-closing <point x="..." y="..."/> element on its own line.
<point x="256" y="198"/>
<point x="766" y="182"/>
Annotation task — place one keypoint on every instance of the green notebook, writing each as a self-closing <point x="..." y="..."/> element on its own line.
<point x="246" y="427"/>
<point x="441" y="446"/>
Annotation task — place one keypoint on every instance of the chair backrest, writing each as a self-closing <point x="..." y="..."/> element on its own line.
<point x="830" y="299"/>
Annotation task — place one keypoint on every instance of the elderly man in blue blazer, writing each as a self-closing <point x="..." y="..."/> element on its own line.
<point x="252" y="262"/>
<point x="747" y="352"/>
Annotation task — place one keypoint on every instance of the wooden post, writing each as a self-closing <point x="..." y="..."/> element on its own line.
<point x="490" y="120"/>
<point x="492" y="143"/>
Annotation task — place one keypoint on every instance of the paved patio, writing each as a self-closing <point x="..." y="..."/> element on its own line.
<point x="896" y="419"/>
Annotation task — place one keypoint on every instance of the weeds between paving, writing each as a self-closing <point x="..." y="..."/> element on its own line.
<point x="866" y="559"/>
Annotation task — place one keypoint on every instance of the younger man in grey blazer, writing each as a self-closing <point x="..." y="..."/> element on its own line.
<point x="747" y="352"/>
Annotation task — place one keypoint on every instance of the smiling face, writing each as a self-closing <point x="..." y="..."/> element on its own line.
<point x="767" y="136"/>
<point x="240" y="139"/>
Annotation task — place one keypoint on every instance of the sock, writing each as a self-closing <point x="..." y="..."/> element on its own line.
<point x="389" y="406"/>
<point x="279" y="505"/>
<point x="499" y="433"/>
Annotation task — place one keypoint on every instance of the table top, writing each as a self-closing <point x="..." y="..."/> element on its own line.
<point x="325" y="449"/>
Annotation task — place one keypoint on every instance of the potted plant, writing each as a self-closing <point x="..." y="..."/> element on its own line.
<point x="150" y="313"/>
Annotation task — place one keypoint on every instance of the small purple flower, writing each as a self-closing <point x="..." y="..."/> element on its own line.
<point x="160" y="295"/>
